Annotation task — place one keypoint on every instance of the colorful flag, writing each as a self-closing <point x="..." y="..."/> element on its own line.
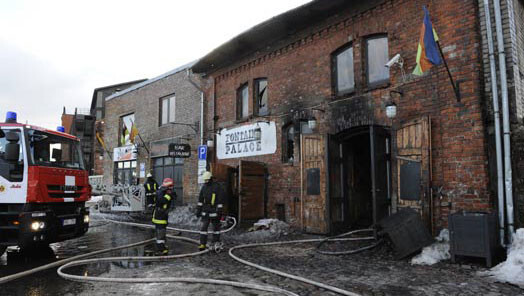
<point x="134" y="133"/>
<point x="428" y="53"/>
<point x="123" y="136"/>
<point x="100" y="140"/>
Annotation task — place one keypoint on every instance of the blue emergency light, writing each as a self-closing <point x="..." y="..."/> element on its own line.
<point x="10" y="117"/>
<point x="60" y="129"/>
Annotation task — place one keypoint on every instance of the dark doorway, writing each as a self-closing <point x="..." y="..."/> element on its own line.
<point x="359" y="178"/>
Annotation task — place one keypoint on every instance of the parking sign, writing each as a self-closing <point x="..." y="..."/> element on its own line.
<point x="202" y="152"/>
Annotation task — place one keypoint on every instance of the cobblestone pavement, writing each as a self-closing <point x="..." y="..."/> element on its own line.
<point x="373" y="272"/>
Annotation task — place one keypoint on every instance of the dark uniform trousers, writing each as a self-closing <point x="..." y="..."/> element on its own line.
<point x="160" y="216"/>
<point x="210" y="207"/>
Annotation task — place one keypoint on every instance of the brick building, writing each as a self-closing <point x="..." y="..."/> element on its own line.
<point x="98" y="110"/>
<point x="164" y="110"/>
<point x="81" y="124"/>
<point x="297" y="106"/>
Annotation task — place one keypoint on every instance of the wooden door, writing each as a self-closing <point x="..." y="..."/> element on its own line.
<point x="252" y="190"/>
<point x="379" y="142"/>
<point x="313" y="162"/>
<point x="413" y="166"/>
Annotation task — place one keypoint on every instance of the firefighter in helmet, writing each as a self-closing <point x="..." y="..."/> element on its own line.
<point x="210" y="207"/>
<point x="165" y="195"/>
<point x="151" y="187"/>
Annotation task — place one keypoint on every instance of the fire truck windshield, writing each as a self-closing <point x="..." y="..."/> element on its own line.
<point x="54" y="151"/>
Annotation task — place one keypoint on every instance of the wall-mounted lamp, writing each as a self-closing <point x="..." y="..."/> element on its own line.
<point x="258" y="133"/>
<point x="210" y="143"/>
<point x="391" y="109"/>
<point x="312" y="123"/>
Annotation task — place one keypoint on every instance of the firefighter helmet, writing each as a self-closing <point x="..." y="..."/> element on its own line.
<point x="206" y="176"/>
<point x="168" y="182"/>
<point x="149" y="175"/>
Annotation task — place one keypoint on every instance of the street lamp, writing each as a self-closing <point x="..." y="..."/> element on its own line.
<point x="258" y="133"/>
<point x="391" y="109"/>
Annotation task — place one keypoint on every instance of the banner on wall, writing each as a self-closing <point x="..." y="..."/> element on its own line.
<point x="242" y="141"/>
<point x="124" y="153"/>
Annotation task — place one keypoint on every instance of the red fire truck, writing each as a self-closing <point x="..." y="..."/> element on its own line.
<point x="43" y="186"/>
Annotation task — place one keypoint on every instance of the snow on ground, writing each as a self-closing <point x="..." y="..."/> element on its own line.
<point x="184" y="215"/>
<point x="436" y="252"/>
<point x="511" y="270"/>
<point x="266" y="229"/>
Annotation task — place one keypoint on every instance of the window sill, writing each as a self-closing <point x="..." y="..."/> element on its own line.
<point x="377" y="85"/>
<point x="242" y="120"/>
<point x="288" y="164"/>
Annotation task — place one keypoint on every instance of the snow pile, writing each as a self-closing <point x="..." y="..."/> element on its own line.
<point x="266" y="229"/>
<point x="184" y="215"/>
<point x="436" y="252"/>
<point x="511" y="270"/>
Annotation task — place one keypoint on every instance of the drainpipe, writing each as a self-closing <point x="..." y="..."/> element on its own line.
<point x="496" y="114"/>
<point x="201" y="105"/>
<point x="505" y="119"/>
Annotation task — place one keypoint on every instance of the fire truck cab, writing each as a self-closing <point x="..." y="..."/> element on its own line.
<point x="43" y="186"/>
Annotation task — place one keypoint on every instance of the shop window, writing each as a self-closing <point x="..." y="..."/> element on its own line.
<point x="167" y="109"/>
<point x="343" y="70"/>
<point x="288" y="143"/>
<point x="169" y="167"/>
<point x="242" y="102"/>
<point x="125" y="173"/>
<point x="377" y="56"/>
<point x="261" y="96"/>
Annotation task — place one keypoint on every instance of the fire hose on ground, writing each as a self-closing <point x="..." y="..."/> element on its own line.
<point x="79" y="260"/>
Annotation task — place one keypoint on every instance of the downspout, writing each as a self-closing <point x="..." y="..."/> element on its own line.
<point x="188" y="73"/>
<point x="505" y="120"/>
<point x="496" y="114"/>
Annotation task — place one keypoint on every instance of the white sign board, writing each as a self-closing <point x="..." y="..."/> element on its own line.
<point x="201" y="169"/>
<point x="124" y="153"/>
<point x="241" y="141"/>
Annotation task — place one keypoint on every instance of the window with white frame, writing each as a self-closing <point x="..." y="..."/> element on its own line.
<point x="167" y="109"/>
<point x="243" y="102"/>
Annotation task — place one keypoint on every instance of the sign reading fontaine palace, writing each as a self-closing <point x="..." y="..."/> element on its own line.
<point x="242" y="142"/>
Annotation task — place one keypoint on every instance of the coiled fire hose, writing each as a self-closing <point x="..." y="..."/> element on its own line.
<point x="349" y="252"/>
<point x="77" y="260"/>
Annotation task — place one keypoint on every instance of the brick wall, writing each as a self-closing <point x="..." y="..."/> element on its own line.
<point x="298" y="70"/>
<point x="144" y="103"/>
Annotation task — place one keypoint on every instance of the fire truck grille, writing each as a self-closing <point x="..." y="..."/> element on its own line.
<point x="64" y="195"/>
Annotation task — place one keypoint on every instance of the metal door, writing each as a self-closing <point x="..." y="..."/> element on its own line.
<point x="413" y="166"/>
<point x="313" y="162"/>
<point x="252" y="190"/>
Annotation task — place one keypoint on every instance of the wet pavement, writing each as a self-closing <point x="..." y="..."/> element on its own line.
<point x="373" y="272"/>
<point x="101" y="235"/>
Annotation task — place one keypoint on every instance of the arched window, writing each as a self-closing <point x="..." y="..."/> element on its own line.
<point x="288" y="143"/>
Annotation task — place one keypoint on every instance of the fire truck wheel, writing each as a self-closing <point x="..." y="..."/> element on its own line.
<point x="2" y="250"/>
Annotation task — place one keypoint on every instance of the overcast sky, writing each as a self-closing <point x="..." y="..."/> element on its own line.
<point x="54" y="53"/>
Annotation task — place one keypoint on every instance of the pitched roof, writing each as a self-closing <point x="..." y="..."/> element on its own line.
<point x="149" y="81"/>
<point x="277" y="28"/>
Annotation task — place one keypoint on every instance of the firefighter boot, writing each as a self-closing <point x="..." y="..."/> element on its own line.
<point x="161" y="250"/>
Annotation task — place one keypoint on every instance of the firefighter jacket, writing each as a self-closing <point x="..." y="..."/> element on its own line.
<point x="151" y="187"/>
<point x="162" y="205"/>
<point x="211" y="201"/>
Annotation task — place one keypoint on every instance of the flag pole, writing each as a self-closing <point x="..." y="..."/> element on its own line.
<point x="455" y="87"/>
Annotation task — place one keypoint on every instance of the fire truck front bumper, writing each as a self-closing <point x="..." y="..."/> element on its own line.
<point x="46" y="227"/>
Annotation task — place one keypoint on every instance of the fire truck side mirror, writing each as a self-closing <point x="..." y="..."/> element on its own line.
<point x="12" y="149"/>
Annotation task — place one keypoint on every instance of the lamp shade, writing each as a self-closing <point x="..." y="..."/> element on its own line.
<point x="312" y="123"/>
<point x="391" y="110"/>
